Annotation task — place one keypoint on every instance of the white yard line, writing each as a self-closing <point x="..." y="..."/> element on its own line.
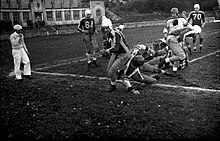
<point x="199" y="58"/>
<point x="105" y="78"/>
<point x="187" y="88"/>
<point x="61" y="64"/>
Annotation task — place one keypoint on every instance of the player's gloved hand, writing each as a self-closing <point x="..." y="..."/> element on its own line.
<point x="85" y="31"/>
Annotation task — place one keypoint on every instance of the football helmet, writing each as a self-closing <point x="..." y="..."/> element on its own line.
<point x="174" y="10"/>
<point x="88" y="12"/>
<point x="138" y="60"/>
<point x="196" y="7"/>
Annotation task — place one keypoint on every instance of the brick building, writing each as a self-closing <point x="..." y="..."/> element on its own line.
<point x="51" y="12"/>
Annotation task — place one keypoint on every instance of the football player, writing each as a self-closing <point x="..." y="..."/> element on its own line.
<point x="197" y="17"/>
<point x="87" y="27"/>
<point x="195" y="30"/>
<point x="129" y="67"/>
<point x="119" y="54"/>
<point x="106" y="27"/>
<point x="174" y="25"/>
<point x="183" y="15"/>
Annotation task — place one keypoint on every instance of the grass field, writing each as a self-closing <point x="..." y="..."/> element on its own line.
<point x="64" y="101"/>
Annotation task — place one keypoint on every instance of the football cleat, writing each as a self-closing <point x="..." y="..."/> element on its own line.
<point x="89" y="66"/>
<point x="112" y="88"/>
<point x="28" y="76"/>
<point x="171" y="73"/>
<point x="194" y="48"/>
<point x="119" y="74"/>
<point x="200" y="48"/>
<point x="95" y="64"/>
<point x="132" y="90"/>
<point x="190" y="51"/>
<point x="19" y="80"/>
<point x="161" y="62"/>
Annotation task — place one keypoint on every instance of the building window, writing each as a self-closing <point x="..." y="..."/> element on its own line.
<point x="98" y="13"/>
<point x="5" y="16"/>
<point x="25" y="16"/>
<point x="83" y="13"/>
<point x="58" y="16"/>
<point x="16" y="18"/>
<point x="49" y="16"/>
<point x="76" y="15"/>
<point x="67" y="15"/>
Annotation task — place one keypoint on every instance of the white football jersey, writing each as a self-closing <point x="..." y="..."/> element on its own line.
<point x="169" y="27"/>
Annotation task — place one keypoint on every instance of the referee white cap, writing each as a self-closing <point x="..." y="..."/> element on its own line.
<point x="17" y="27"/>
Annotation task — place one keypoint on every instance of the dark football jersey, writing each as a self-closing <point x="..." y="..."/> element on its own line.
<point x="87" y="24"/>
<point x="197" y="17"/>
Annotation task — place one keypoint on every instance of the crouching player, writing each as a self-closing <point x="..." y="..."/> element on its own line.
<point x="128" y="68"/>
<point x="158" y="50"/>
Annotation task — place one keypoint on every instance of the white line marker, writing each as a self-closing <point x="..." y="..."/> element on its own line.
<point x="62" y="64"/>
<point x="199" y="58"/>
<point x="188" y="88"/>
<point x="105" y="78"/>
<point x="73" y="75"/>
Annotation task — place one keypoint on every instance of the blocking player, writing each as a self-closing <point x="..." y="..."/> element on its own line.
<point x="172" y="25"/>
<point x="87" y="27"/>
<point x="119" y="56"/>
<point x="198" y="18"/>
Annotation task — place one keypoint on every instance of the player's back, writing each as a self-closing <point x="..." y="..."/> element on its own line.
<point x="197" y="17"/>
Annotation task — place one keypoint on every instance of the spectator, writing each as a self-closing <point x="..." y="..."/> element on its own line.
<point x="20" y="54"/>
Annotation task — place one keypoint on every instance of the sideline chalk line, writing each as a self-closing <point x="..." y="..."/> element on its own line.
<point x="105" y="78"/>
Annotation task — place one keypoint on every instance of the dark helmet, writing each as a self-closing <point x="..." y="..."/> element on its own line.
<point x="138" y="60"/>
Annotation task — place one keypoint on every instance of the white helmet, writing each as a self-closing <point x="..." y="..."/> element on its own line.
<point x="197" y="29"/>
<point x="104" y="17"/>
<point x="88" y="12"/>
<point x="121" y="27"/>
<point x="196" y="6"/>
